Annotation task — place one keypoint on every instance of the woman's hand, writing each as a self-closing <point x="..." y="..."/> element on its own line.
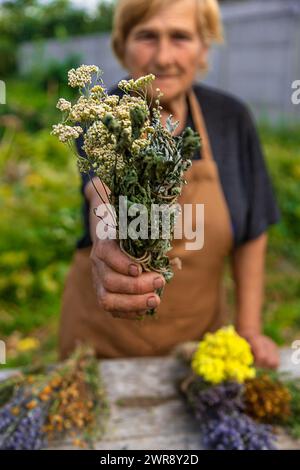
<point x="122" y="289"/>
<point x="265" y="351"/>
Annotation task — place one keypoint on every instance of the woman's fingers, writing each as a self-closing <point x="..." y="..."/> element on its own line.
<point x="272" y="359"/>
<point x="121" y="284"/>
<point x="118" y="292"/>
<point x="125" y="303"/>
<point x="110" y="253"/>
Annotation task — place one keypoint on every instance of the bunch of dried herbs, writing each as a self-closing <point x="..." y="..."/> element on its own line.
<point x="267" y="399"/>
<point x="134" y="156"/>
<point x="67" y="402"/>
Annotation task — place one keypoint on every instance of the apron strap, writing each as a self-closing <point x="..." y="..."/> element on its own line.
<point x="198" y="119"/>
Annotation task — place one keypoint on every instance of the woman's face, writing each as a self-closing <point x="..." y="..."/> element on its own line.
<point x="169" y="46"/>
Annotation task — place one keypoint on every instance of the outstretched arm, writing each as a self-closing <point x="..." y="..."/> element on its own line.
<point x="248" y="266"/>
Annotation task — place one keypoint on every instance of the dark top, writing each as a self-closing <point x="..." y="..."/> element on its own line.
<point x="242" y="168"/>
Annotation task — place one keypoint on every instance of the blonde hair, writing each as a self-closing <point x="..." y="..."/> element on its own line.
<point x="129" y="13"/>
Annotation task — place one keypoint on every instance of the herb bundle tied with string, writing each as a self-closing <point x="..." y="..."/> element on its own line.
<point x="134" y="156"/>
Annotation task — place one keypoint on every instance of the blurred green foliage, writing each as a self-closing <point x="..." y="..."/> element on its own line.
<point x="282" y="147"/>
<point x="281" y="310"/>
<point x="31" y="101"/>
<point x="282" y="305"/>
<point x="39" y="182"/>
<point x="40" y="214"/>
<point x="35" y="20"/>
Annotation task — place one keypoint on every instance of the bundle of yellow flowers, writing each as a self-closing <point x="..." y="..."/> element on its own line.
<point x="223" y="355"/>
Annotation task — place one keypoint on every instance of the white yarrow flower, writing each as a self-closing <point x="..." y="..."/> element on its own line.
<point x="66" y="133"/>
<point x="63" y="105"/>
<point x="82" y="76"/>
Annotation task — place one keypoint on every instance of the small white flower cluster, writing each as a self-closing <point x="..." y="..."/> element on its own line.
<point x="87" y="109"/>
<point x="100" y="146"/>
<point x="82" y="76"/>
<point x="64" y="105"/>
<point x="138" y="145"/>
<point x="112" y="101"/>
<point x="90" y="110"/>
<point x="136" y="85"/>
<point x="128" y="100"/>
<point x="98" y="140"/>
<point x="66" y="133"/>
<point x="97" y="91"/>
<point x="122" y="112"/>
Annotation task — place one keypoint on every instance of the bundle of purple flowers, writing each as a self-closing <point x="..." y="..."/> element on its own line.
<point x="37" y="409"/>
<point x="224" y="425"/>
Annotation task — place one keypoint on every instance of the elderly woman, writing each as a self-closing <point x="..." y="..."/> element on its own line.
<point x="171" y="39"/>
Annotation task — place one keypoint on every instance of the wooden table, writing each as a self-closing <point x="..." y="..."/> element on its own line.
<point x="147" y="411"/>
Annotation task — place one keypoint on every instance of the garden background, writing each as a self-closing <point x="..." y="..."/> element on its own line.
<point x="39" y="186"/>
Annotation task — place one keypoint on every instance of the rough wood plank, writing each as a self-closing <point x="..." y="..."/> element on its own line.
<point x="142" y="376"/>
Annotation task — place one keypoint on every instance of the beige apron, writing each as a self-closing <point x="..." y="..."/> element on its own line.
<point x="192" y="303"/>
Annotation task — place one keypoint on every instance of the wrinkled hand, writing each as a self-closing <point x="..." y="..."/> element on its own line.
<point x="122" y="288"/>
<point x="265" y="351"/>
